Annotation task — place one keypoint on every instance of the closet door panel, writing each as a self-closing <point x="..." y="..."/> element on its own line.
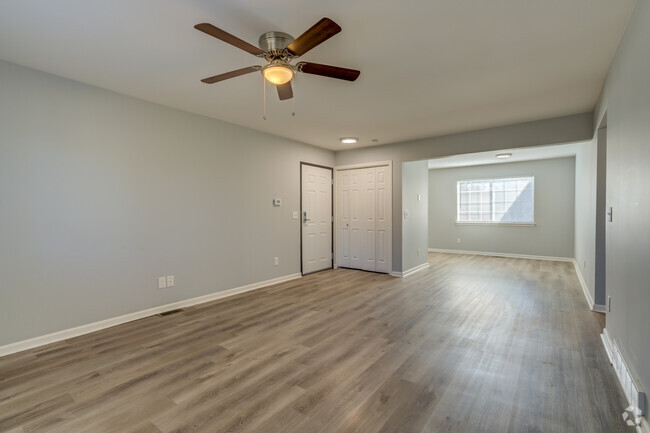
<point x="367" y="216"/>
<point x="384" y="219"/>
<point x="343" y="223"/>
<point x="356" y="226"/>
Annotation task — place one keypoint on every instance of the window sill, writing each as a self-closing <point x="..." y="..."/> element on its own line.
<point x="485" y="223"/>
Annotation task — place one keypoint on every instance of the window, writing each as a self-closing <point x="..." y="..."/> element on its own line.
<point x="506" y="200"/>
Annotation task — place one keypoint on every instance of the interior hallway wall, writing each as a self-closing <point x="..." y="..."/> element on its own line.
<point x="626" y="100"/>
<point x="415" y="197"/>
<point x="585" y="214"/>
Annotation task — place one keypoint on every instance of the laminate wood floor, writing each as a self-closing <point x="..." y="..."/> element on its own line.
<point x="473" y="344"/>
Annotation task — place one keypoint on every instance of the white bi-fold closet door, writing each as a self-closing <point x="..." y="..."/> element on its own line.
<point x="364" y="218"/>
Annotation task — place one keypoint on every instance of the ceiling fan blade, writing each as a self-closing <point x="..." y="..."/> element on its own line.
<point x="328" y="71"/>
<point x="231" y="74"/>
<point x="285" y="91"/>
<point x="228" y="38"/>
<point x="317" y="34"/>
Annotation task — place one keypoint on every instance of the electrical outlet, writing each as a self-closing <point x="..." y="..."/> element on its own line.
<point x="276" y="261"/>
<point x="170" y="281"/>
<point x="162" y="282"/>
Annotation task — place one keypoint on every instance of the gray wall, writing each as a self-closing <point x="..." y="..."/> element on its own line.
<point x="414" y="227"/>
<point x="552" y="234"/>
<point x="600" y="293"/>
<point x="567" y="129"/>
<point x="101" y="193"/>
<point x="585" y="213"/>
<point x="626" y="100"/>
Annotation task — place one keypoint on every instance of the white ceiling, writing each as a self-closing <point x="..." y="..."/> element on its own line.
<point x="518" y="155"/>
<point x="427" y="67"/>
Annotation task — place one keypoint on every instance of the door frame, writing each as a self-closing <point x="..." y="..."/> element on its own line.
<point x="337" y="169"/>
<point x="331" y="210"/>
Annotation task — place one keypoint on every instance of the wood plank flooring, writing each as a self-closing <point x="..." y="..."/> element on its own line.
<point x="473" y="344"/>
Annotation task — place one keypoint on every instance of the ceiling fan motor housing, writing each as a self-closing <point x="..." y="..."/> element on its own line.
<point x="275" y="41"/>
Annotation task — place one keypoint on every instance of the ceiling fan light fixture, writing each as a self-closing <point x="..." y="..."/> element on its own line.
<point x="348" y="140"/>
<point x="277" y="74"/>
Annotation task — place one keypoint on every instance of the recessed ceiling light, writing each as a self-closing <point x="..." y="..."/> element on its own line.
<point x="504" y="155"/>
<point x="348" y="140"/>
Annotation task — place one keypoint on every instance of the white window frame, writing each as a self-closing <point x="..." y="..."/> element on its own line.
<point x="494" y="223"/>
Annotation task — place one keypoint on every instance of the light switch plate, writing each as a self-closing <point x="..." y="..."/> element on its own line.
<point x="406" y="214"/>
<point x="295" y="214"/>
<point x="162" y="282"/>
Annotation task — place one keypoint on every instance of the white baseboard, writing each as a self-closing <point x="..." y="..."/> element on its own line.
<point x="583" y="284"/>
<point x="96" y="326"/>
<point x="599" y="308"/>
<point x="632" y="390"/>
<point x="585" y="290"/>
<point x="644" y="427"/>
<point x="509" y="255"/>
<point x="410" y="271"/>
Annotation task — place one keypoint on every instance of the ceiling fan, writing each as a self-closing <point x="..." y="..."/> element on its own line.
<point x="279" y="49"/>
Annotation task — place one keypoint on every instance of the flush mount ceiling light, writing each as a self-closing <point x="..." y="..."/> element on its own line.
<point x="504" y="155"/>
<point x="348" y="140"/>
<point x="277" y="74"/>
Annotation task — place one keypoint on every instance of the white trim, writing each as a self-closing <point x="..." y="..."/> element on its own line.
<point x="364" y="165"/>
<point x="103" y="324"/>
<point x="488" y="253"/>
<point x="632" y="390"/>
<point x="585" y="288"/>
<point x="599" y="308"/>
<point x="606" y="342"/>
<point x="410" y="271"/>
<point x="496" y="223"/>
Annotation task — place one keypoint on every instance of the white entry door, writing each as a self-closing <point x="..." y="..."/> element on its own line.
<point x="316" y="218"/>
